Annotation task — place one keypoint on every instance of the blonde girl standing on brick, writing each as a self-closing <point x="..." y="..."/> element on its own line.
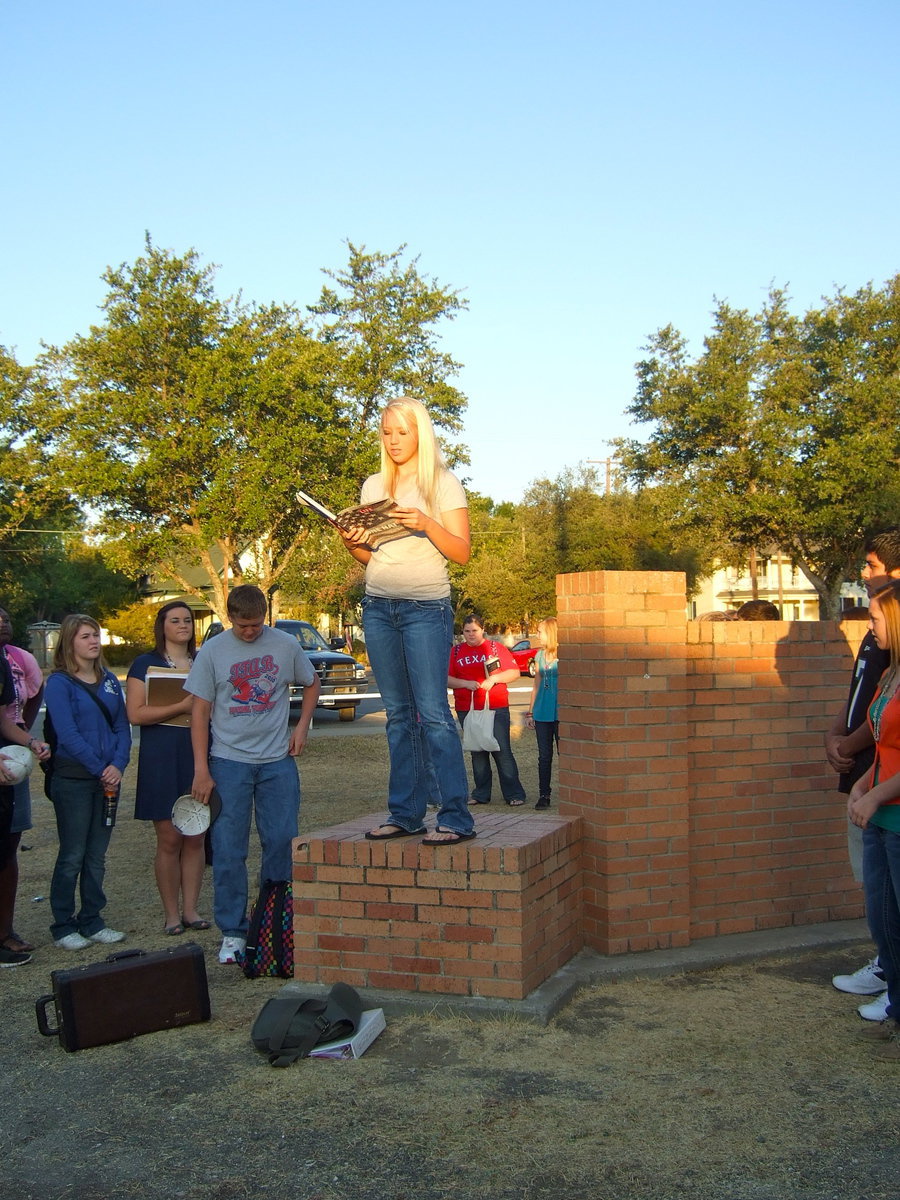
<point x="543" y="716"/>
<point x="408" y="622"/>
<point x="874" y="806"/>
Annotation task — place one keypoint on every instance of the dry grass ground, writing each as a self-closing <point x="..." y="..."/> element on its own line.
<point x="741" y="1083"/>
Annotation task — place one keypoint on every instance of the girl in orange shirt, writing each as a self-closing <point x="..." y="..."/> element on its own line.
<point x="874" y="805"/>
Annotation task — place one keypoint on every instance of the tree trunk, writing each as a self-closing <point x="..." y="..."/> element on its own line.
<point x="829" y="595"/>
<point x="753" y="568"/>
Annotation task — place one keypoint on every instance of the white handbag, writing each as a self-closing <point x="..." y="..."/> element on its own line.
<point x="478" y="730"/>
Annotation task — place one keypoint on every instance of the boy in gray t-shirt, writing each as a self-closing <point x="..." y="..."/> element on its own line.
<point x="243" y="747"/>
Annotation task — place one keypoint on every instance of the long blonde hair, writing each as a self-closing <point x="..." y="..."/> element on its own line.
<point x="429" y="459"/>
<point x="888" y="600"/>
<point x="549" y="628"/>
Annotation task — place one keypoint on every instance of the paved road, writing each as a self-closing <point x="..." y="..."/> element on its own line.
<point x="370" y="718"/>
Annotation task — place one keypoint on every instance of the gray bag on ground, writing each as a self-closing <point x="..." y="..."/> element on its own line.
<point x="289" y="1026"/>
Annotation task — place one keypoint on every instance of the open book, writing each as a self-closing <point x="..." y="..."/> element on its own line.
<point x="374" y="518"/>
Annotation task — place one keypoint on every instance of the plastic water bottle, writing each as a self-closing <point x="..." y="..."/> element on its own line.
<point x="110" y="804"/>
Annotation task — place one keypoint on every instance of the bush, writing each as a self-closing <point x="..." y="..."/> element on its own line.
<point x="133" y="629"/>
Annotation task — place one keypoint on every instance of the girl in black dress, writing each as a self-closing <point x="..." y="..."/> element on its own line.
<point x="166" y="769"/>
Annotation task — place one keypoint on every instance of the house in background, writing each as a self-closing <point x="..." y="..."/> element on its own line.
<point x="777" y="581"/>
<point x="158" y="590"/>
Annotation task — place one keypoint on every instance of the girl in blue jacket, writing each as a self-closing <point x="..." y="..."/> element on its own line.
<point x="93" y="740"/>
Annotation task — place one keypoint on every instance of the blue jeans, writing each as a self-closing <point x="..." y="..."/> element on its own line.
<point x="429" y="787"/>
<point x="83" y="841"/>
<point x="272" y="790"/>
<point x="408" y="642"/>
<point x="547" y="734"/>
<point x="507" y="771"/>
<point x="881" y="881"/>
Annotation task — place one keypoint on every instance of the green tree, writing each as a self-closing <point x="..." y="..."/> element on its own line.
<point x="382" y="313"/>
<point x="46" y="568"/>
<point x="496" y="581"/>
<point x="574" y="526"/>
<point x="46" y="573"/>
<point x="564" y="525"/>
<point x="30" y="495"/>
<point x="323" y="577"/>
<point x="188" y="424"/>
<point x="784" y="431"/>
<point x="77" y="580"/>
<point x="133" y="625"/>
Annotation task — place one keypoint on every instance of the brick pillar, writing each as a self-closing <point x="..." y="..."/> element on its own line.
<point x="624" y="753"/>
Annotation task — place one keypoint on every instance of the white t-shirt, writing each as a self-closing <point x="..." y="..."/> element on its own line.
<point x="411" y="568"/>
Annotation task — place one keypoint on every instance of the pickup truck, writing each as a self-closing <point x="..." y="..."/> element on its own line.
<point x="341" y="675"/>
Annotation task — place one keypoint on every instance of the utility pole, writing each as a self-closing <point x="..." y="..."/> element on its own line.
<point x="607" y="463"/>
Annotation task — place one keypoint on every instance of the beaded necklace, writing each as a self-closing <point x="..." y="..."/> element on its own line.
<point x="170" y="662"/>
<point x="880" y="703"/>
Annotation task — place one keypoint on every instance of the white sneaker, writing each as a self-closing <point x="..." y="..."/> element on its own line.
<point x="106" y="936"/>
<point x="875" y="1010"/>
<point x="72" y="941"/>
<point x="867" y="981"/>
<point x="230" y="948"/>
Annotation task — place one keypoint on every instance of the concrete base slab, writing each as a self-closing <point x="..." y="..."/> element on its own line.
<point x="587" y="968"/>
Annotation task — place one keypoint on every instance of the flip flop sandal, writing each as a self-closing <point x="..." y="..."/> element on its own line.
<point x="16" y="944"/>
<point x="200" y="923"/>
<point x="434" y="839"/>
<point x="173" y="930"/>
<point x="399" y="832"/>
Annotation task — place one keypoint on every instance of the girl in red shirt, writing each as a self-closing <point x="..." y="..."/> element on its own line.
<point x="474" y="686"/>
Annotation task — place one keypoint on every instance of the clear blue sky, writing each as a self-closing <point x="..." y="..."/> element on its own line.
<point x="583" y="172"/>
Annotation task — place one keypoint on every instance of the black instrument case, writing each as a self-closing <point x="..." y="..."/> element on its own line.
<point x="132" y="992"/>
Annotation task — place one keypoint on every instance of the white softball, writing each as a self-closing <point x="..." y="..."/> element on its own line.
<point x="18" y="762"/>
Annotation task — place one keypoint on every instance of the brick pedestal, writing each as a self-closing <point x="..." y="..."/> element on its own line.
<point x="495" y="916"/>
<point x="624" y="753"/>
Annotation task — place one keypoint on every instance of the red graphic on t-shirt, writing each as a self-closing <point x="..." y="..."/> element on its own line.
<point x="253" y="681"/>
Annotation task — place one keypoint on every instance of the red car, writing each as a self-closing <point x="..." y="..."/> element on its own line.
<point x="524" y="652"/>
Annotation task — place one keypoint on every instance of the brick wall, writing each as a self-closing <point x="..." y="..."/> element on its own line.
<point x="692" y="751"/>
